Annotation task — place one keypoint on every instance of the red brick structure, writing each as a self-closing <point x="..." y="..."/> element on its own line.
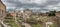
<point x="58" y="14"/>
<point x="2" y="10"/>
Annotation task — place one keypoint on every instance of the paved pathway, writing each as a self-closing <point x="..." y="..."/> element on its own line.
<point x="26" y="24"/>
<point x="3" y="24"/>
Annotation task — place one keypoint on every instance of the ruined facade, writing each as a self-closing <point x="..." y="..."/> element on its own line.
<point x="2" y="11"/>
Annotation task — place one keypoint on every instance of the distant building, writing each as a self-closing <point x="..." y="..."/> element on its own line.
<point x="19" y="14"/>
<point x="2" y="10"/>
<point x="13" y="14"/>
<point x="58" y="14"/>
<point x="27" y="13"/>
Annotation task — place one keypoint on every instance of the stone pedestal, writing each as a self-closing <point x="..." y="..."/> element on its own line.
<point x="48" y="24"/>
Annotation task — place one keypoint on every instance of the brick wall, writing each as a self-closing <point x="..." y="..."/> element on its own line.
<point x="2" y="10"/>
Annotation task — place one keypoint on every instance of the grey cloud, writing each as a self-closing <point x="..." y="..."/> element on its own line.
<point x="52" y="2"/>
<point x="22" y="5"/>
<point x="19" y="4"/>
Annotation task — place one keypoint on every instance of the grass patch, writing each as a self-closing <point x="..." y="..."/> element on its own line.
<point x="36" y="25"/>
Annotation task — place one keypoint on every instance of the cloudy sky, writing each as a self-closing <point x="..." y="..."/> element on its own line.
<point x="40" y="5"/>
